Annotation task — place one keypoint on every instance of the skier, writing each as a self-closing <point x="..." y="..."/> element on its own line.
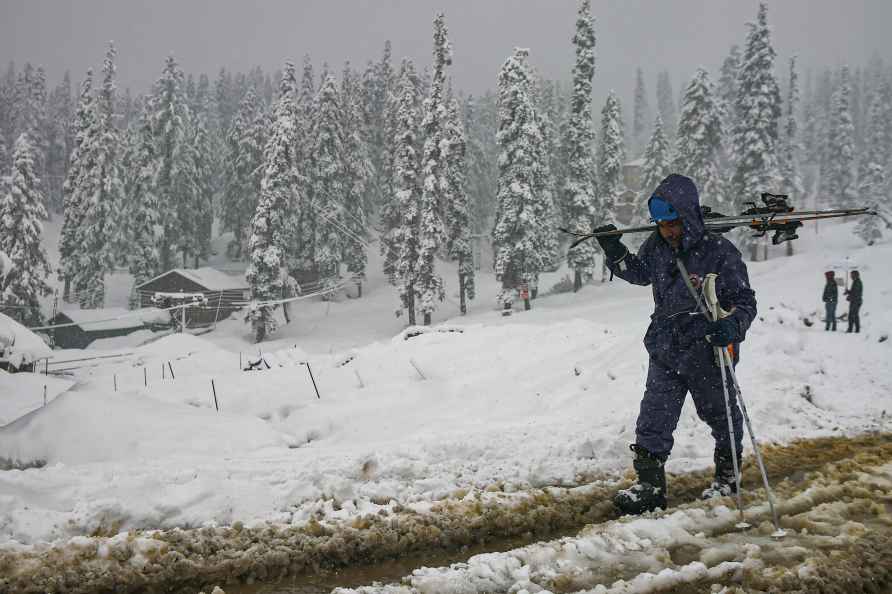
<point x="680" y="341"/>
<point x="831" y="296"/>
<point x="854" y="297"/>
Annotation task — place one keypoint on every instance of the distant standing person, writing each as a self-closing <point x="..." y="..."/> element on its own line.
<point x="854" y="297"/>
<point x="831" y="296"/>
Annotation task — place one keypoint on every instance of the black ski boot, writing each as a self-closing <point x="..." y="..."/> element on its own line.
<point x="649" y="493"/>
<point x="724" y="484"/>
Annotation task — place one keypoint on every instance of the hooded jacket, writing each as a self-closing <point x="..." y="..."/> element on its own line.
<point x="831" y="290"/>
<point x="676" y="335"/>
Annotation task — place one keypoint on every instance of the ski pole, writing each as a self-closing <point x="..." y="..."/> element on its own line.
<point x="779" y="532"/>
<point x="725" y="359"/>
<point x="721" y="361"/>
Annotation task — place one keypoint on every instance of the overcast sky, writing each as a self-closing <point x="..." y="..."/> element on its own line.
<point x="677" y="35"/>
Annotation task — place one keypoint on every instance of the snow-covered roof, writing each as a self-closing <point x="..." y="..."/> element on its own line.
<point x="115" y="318"/>
<point x="209" y="278"/>
<point x="18" y="345"/>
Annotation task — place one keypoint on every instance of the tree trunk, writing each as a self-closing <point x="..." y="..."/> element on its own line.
<point x="195" y="260"/>
<point x="359" y="289"/>
<point x="184" y="259"/>
<point x="427" y="318"/>
<point x="577" y="280"/>
<point x="66" y="292"/>
<point x="789" y="248"/>
<point x="410" y="304"/>
<point x="165" y="252"/>
<point x="285" y="306"/>
<point x="463" y="306"/>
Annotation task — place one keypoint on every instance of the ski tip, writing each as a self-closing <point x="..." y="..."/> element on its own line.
<point x="779" y="534"/>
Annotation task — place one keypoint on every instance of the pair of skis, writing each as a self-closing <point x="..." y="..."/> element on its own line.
<point x="776" y="215"/>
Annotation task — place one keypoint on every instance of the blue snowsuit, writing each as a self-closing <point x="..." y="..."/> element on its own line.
<point x="681" y="360"/>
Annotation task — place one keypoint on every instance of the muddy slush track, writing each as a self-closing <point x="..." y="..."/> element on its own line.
<point x="316" y="558"/>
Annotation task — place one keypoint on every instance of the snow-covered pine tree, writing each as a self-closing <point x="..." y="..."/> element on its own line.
<point x="379" y="86"/>
<point x="57" y="138"/>
<point x="549" y="115"/>
<point x="407" y="189"/>
<point x="580" y="195"/>
<point x="791" y="148"/>
<point x="216" y="140"/>
<point x="222" y="94"/>
<point x="657" y="165"/>
<point x="544" y="209"/>
<point x="35" y="123"/>
<point x="21" y="213"/>
<point x="727" y="94"/>
<point x="824" y="101"/>
<point x="809" y="132"/>
<point x="758" y="110"/>
<point x="666" y="103"/>
<point x="176" y="175"/>
<point x="641" y="116"/>
<point x="130" y="109"/>
<point x="102" y="193"/>
<point x="699" y="139"/>
<point x="329" y="180"/>
<point x="857" y="109"/>
<point x="457" y="213"/>
<point x="143" y="230"/>
<point x="204" y="168"/>
<point x="433" y="173"/>
<point x="839" y="178"/>
<point x="272" y="224"/>
<point x="242" y="168"/>
<point x="72" y="207"/>
<point x="7" y="115"/>
<point x="390" y="217"/>
<point x="359" y="173"/>
<point x="268" y="94"/>
<point x="518" y="240"/>
<point x="4" y="154"/>
<point x="873" y="181"/>
<point x="611" y="156"/>
<point x="302" y="256"/>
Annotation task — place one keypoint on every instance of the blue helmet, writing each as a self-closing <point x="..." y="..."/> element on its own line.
<point x="661" y="210"/>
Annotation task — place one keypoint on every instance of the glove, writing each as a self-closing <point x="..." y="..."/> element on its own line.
<point x="612" y="245"/>
<point x="723" y="332"/>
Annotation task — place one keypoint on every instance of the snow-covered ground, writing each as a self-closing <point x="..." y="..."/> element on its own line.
<point x="545" y="397"/>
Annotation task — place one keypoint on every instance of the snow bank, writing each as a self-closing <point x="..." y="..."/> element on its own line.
<point x="122" y="342"/>
<point x="88" y="427"/>
<point x="18" y="345"/>
<point x="20" y="393"/>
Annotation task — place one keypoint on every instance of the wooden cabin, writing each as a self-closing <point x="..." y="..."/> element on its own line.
<point x="86" y="325"/>
<point x="223" y="293"/>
